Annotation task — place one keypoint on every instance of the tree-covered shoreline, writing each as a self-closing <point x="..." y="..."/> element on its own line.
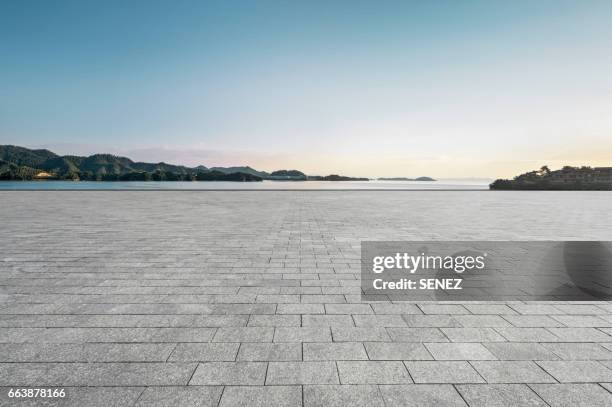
<point x="23" y="164"/>
<point x="565" y="179"/>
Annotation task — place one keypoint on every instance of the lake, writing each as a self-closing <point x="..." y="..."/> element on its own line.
<point x="480" y="184"/>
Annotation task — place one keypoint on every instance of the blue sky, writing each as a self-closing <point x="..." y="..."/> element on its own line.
<point x="442" y="88"/>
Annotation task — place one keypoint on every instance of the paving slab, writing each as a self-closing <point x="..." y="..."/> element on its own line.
<point x="204" y="352"/>
<point x="342" y="395"/>
<point x="417" y="335"/>
<point x="86" y="352"/>
<point x="533" y="321"/>
<point x="327" y="320"/>
<point x="443" y="372"/>
<point x="282" y="373"/>
<point x="261" y="396"/>
<point x="533" y="334"/>
<point x="482" y="321"/>
<point x="191" y="396"/>
<point x="273" y="352"/>
<point x="583" y="334"/>
<point x="522" y="351"/>
<point x="274" y="320"/>
<point x="348" y="334"/>
<point x="431" y="321"/>
<point x="397" y="351"/>
<point x="417" y="395"/>
<point x="303" y="334"/>
<point x="244" y="334"/>
<point x="229" y="373"/>
<point x="500" y="395"/>
<point x="573" y="395"/>
<point x="372" y="372"/>
<point x="578" y="351"/>
<point x="459" y="351"/>
<point x="577" y="371"/>
<point x="379" y="321"/>
<point x="95" y="374"/>
<point x="512" y="372"/>
<point x="334" y="351"/>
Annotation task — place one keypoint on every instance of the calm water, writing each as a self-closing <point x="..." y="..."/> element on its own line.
<point x="265" y="185"/>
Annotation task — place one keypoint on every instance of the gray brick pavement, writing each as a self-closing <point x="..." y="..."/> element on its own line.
<point x="253" y="298"/>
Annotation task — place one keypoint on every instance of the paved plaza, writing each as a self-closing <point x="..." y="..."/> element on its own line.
<point x="210" y="298"/>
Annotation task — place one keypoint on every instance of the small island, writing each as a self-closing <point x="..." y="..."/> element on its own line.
<point x="287" y="175"/>
<point x="566" y="179"/>
<point x="406" y="179"/>
<point x="334" y="177"/>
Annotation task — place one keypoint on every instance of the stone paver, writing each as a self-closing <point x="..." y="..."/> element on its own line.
<point x="204" y="352"/>
<point x="244" y="334"/>
<point x="229" y="373"/>
<point x="86" y="352"/>
<point x="443" y="372"/>
<point x="500" y="395"/>
<point x="577" y="371"/>
<point x="253" y="298"/>
<point x="270" y="352"/>
<point x="578" y="351"/>
<point x="397" y="351"/>
<point x="345" y="334"/>
<point x="95" y="374"/>
<point x="191" y="396"/>
<point x="261" y="396"/>
<point x="302" y="334"/>
<point x="302" y="373"/>
<point x="373" y="372"/>
<point x="512" y="372"/>
<point x="339" y="396"/>
<point x="417" y="395"/>
<point x="472" y="335"/>
<point x="520" y="351"/>
<point x="573" y="395"/>
<point x="459" y="351"/>
<point x="335" y="351"/>
<point x="417" y="335"/>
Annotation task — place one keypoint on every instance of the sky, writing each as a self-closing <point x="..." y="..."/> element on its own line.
<point x="377" y="88"/>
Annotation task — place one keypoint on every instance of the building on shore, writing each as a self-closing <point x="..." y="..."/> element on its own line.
<point x="567" y="178"/>
<point x="44" y="175"/>
<point x="581" y="174"/>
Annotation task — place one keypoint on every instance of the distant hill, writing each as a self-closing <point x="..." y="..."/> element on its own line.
<point x="22" y="164"/>
<point x="25" y="157"/>
<point x="244" y="170"/>
<point x="19" y="163"/>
